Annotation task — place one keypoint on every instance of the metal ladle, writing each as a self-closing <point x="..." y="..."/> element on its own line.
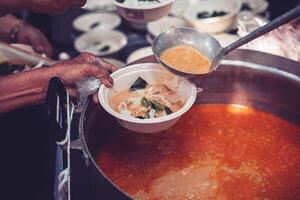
<point x="208" y="45"/>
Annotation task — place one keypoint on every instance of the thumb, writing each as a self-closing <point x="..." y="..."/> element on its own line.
<point x="41" y="46"/>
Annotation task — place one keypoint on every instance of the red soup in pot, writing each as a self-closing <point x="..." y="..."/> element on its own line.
<point x="213" y="152"/>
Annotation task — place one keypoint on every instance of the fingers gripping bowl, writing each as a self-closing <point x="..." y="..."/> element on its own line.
<point x="153" y="74"/>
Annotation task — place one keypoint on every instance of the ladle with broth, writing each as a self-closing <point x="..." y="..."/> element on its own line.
<point x="188" y="52"/>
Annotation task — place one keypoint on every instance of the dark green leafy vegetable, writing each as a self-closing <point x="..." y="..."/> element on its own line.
<point x="156" y="106"/>
<point x="94" y="25"/>
<point x="203" y="15"/>
<point x="105" y="48"/>
<point x="246" y="6"/>
<point x="168" y="110"/>
<point x="145" y="103"/>
<point x="139" y="84"/>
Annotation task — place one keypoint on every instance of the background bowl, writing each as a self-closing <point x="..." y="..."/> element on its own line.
<point x="145" y="13"/>
<point x="139" y="53"/>
<point x="159" y="26"/>
<point x="153" y="73"/>
<point x="99" y="5"/>
<point x="95" y="41"/>
<point x="96" y="21"/>
<point x="213" y="24"/>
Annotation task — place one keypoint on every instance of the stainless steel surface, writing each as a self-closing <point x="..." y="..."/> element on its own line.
<point x="208" y="45"/>
<point x="262" y="81"/>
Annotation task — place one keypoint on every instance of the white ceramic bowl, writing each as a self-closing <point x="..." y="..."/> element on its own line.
<point x="256" y="6"/>
<point x="99" y="5"/>
<point x="159" y="26"/>
<point x="139" y="53"/>
<point x="152" y="73"/>
<point x="213" y="24"/>
<point x="95" y="41"/>
<point x="115" y="62"/>
<point x="96" y="22"/>
<point x="143" y="13"/>
<point x="179" y="6"/>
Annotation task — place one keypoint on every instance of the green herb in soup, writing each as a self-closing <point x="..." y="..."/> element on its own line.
<point x="138" y="84"/>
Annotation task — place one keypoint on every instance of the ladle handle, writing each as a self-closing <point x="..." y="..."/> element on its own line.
<point x="281" y="20"/>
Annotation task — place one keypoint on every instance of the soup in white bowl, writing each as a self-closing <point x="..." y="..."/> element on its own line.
<point x="179" y="96"/>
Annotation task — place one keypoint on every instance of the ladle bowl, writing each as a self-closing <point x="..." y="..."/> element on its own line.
<point x="206" y="44"/>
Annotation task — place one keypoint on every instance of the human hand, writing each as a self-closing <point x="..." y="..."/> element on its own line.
<point x="51" y="6"/>
<point x="84" y="66"/>
<point x="29" y="35"/>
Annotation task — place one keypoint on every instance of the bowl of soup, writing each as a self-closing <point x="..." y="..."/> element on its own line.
<point x="140" y="12"/>
<point x="213" y="16"/>
<point x="146" y="98"/>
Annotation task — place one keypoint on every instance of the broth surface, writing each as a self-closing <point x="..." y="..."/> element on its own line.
<point x="186" y="58"/>
<point x="213" y="152"/>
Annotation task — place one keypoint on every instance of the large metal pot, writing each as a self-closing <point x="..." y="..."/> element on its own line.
<point x="269" y="83"/>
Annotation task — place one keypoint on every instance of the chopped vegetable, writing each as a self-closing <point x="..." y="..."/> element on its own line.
<point x="96" y="43"/>
<point x="246" y="6"/>
<point x="156" y="106"/>
<point x="139" y="84"/>
<point x="140" y="117"/>
<point x="145" y="103"/>
<point x="105" y="48"/>
<point x="203" y="15"/>
<point x="94" y="25"/>
<point x="168" y="110"/>
<point x="147" y="116"/>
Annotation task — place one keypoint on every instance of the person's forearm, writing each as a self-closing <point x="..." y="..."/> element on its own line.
<point x="24" y="89"/>
<point x="7" y="23"/>
<point x="11" y="6"/>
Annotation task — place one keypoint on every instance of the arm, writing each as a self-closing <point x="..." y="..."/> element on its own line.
<point x="25" y="88"/>
<point x="7" y="23"/>
<point x="14" y="30"/>
<point x="10" y="6"/>
<point x="44" y="6"/>
<point x="30" y="88"/>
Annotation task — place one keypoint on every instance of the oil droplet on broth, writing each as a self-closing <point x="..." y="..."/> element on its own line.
<point x="186" y="58"/>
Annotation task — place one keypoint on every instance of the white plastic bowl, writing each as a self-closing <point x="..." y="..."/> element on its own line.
<point x="116" y="40"/>
<point x="153" y="73"/>
<point x="159" y="26"/>
<point x="105" y="21"/>
<point x="213" y="24"/>
<point x="143" y="14"/>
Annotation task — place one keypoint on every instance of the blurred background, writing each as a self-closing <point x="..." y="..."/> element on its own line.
<point x="62" y="34"/>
